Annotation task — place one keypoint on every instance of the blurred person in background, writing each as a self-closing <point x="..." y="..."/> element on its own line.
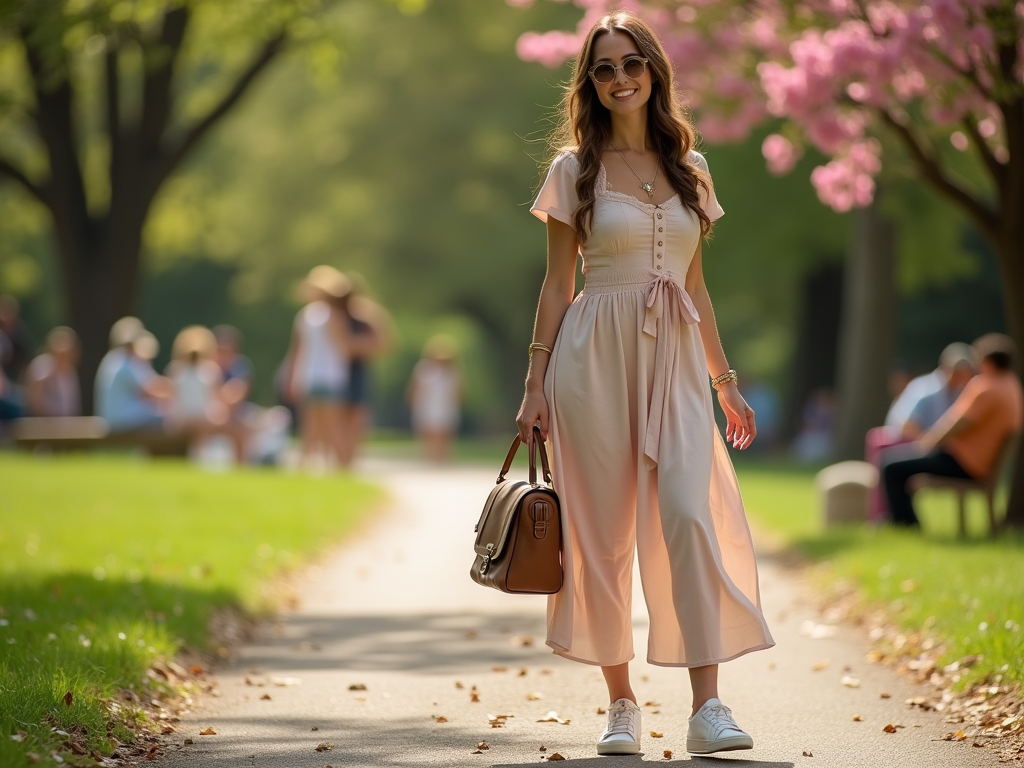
<point x="319" y="361"/>
<point x="18" y="336"/>
<point x="10" y="395"/>
<point x="130" y="395"/>
<point x="907" y="396"/>
<point x="969" y="438"/>
<point x="817" y="431"/>
<point x="435" y="396"/>
<point x="931" y="407"/>
<point x="196" y="407"/>
<point x="370" y="325"/>
<point x="51" y="380"/>
<point x="235" y="370"/>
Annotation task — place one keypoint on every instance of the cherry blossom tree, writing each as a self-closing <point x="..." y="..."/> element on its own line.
<point x="943" y="80"/>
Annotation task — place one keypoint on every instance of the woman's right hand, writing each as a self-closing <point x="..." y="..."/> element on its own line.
<point x="534" y="410"/>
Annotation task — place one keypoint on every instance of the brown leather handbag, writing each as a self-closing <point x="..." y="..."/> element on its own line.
<point x="519" y="536"/>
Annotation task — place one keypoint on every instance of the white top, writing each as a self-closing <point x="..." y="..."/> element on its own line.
<point x="321" y="364"/>
<point x="435" y="397"/>
<point x="195" y="388"/>
<point x="912" y="394"/>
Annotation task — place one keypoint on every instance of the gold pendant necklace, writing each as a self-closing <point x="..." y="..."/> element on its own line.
<point x="646" y="186"/>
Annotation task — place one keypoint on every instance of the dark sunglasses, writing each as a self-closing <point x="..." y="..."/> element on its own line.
<point x="632" y="67"/>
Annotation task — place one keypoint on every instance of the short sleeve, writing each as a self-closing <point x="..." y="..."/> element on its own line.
<point x="557" y="197"/>
<point x="708" y="199"/>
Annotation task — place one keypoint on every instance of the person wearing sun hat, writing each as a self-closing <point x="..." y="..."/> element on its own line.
<point x="129" y="394"/>
<point x="320" y="356"/>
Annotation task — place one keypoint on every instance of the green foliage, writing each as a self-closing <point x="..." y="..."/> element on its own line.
<point x="111" y="565"/>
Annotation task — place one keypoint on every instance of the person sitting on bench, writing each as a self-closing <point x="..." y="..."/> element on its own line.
<point x="968" y="440"/>
<point x="129" y="393"/>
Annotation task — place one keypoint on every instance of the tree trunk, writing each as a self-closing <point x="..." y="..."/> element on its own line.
<point x="813" y="365"/>
<point x="866" y="341"/>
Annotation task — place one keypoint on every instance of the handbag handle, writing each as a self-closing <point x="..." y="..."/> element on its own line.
<point x="538" y="444"/>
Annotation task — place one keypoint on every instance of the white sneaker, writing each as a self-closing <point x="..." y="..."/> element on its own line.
<point x="712" y="729"/>
<point x="622" y="736"/>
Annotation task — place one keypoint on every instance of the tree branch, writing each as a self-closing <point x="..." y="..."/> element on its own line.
<point x="12" y="172"/>
<point x="156" y="90"/>
<point x="995" y="169"/>
<point x="933" y="172"/>
<point x="173" y="156"/>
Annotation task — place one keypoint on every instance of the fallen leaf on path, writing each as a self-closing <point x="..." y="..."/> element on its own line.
<point x="885" y="695"/>
<point x="314" y="728"/>
<point x="820" y="665"/>
<point x="808" y="753"/>
<point x="522" y="672"/>
<point x="208" y="732"/>
<point x="196" y="669"/>
<point x="771" y="667"/>
<point x="499" y="670"/>
<point x="552" y="717"/>
<point x="651" y="704"/>
<point x="166" y="730"/>
<point x="186" y="742"/>
<point x="554" y="757"/>
<point x="68" y="698"/>
<point x="657" y="735"/>
<point x="857" y="718"/>
<point x="469" y="634"/>
<point x="440" y="718"/>
<point x="850" y="682"/>
<point x="667" y="754"/>
<point x="324" y="746"/>
<point x="357" y="687"/>
<point x="498" y="721"/>
<point x="543" y="748"/>
<point x="546" y="672"/>
<point x="474" y="696"/>
<point x="890" y="728"/>
<point x="286" y="682"/>
<point x="265" y="697"/>
<point x="458" y="685"/>
<point x="602" y="711"/>
<point x="957" y="736"/>
<point x="524" y="640"/>
<point x="534" y="696"/>
<point x="483" y="745"/>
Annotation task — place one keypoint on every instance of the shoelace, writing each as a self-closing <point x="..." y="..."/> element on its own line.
<point x="619" y="721"/>
<point x="720" y="716"/>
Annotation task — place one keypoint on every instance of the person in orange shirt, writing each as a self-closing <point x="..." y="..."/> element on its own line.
<point x="969" y="438"/>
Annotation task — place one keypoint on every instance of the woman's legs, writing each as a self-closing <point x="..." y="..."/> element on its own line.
<point x="704" y="684"/>
<point x="617" y="679"/>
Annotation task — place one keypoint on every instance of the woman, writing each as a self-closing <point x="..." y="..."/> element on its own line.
<point x="435" y="396"/>
<point x="320" y="355"/>
<point x="617" y="380"/>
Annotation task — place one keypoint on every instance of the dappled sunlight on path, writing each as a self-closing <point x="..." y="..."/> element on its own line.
<point x="394" y="657"/>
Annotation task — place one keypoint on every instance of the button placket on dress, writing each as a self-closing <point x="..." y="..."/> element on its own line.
<point x="659" y="226"/>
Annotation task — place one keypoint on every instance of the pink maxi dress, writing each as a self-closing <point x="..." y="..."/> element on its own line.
<point x="638" y="460"/>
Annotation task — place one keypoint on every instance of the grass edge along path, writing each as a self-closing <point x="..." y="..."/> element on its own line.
<point x="946" y="611"/>
<point x="112" y="567"/>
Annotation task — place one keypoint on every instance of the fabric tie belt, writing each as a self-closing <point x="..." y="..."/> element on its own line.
<point x="667" y="304"/>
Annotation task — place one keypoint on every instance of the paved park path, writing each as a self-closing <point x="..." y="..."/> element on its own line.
<point x="395" y="611"/>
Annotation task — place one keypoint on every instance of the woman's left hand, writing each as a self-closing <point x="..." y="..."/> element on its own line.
<point x="740" y="430"/>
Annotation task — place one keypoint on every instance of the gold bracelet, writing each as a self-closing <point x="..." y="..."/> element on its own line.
<point x="542" y="347"/>
<point x="725" y="378"/>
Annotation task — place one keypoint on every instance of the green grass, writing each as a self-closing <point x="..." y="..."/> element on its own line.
<point x="966" y="593"/>
<point x="109" y="565"/>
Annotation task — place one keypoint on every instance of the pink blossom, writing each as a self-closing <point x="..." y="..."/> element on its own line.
<point x="959" y="141"/>
<point x="780" y="154"/>
<point x="550" y="48"/>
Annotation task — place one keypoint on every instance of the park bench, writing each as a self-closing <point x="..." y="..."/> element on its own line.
<point x="70" y="433"/>
<point x="961" y="488"/>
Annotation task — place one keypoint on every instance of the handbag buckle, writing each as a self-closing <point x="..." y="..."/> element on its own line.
<point x="486" y="564"/>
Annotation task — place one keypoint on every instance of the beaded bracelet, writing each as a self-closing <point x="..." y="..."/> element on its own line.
<point x="725" y="378"/>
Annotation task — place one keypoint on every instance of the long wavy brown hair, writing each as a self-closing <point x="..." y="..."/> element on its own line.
<point x="585" y="125"/>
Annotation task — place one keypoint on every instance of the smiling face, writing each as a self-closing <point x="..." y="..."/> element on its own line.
<point x="623" y="94"/>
